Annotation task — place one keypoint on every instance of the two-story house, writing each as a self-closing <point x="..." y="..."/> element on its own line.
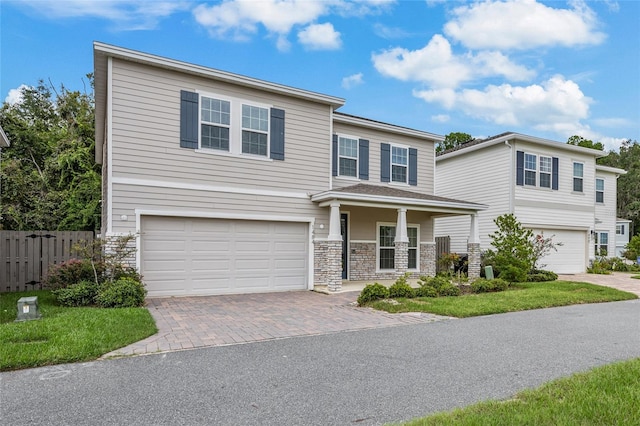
<point x="552" y="188"/>
<point x="237" y="185"/>
<point x="623" y="236"/>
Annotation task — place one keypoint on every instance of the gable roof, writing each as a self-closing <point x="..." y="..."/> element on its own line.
<point x="103" y="51"/>
<point x="609" y="169"/>
<point x="478" y="144"/>
<point x="340" y="117"/>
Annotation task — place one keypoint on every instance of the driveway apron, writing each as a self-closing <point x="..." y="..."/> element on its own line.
<point x="195" y="322"/>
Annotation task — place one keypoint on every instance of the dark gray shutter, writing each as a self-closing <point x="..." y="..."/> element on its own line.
<point x="334" y="156"/>
<point x="277" y="134"/>
<point x="385" y="162"/>
<point x="554" y="173"/>
<point x="520" y="168"/>
<point x="188" y="119"/>
<point x="363" y="159"/>
<point x="413" y="166"/>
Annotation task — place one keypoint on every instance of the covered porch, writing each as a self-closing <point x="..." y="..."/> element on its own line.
<point x="379" y="233"/>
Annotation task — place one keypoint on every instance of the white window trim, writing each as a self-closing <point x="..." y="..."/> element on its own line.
<point x="540" y="172"/>
<point x="598" y="244"/>
<point x="394" y="224"/>
<point x="620" y="229"/>
<point x="391" y="181"/>
<point x="535" y="184"/>
<point x="573" y="176"/>
<point x="596" y="189"/>
<point x="235" y="126"/>
<point x="357" y="158"/>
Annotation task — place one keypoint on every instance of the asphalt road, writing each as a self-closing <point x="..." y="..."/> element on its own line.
<point x="354" y="378"/>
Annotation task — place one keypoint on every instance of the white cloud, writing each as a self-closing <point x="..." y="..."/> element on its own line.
<point x="320" y="37"/>
<point x="15" y="95"/>
<point x="352" y="81"/>
<point x="523" y="24"/>
<point x="126" y="15"/>
<point x="556" y="105"/>
<point x="610" y="143"/>
<point x="437" y="65"/>
<point x="440" y="118"/>
<point x="388" y="33"/>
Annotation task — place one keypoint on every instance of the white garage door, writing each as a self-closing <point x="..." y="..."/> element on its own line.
<point x="188" y="256"/>
<point x="571" y="257"/>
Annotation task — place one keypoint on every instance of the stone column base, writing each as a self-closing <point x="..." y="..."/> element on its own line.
<point x="475" y="260"/>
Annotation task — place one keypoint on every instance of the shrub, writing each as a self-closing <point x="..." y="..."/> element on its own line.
<point x="372" y="292"/>
<point x="513" y="247"/>
<point x="448" y="289"/>
<point x="401" y="289"/>
<point x="123" y="293"/>
<point x="513" y="274"/>
<point x="540" y="275"/>
<point x="79" y="294"/>
<point x="482" y="285"/>
<point x="67" y="273"/>
<point x="426" y="291"/>
<point x="633" y="248"/>
<point x="598" y="266"/>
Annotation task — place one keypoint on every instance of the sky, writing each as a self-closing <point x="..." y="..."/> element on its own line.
<point x="550" y="69"/>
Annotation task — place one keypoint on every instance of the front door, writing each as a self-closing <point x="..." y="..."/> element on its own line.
<point x="345" y="245"/>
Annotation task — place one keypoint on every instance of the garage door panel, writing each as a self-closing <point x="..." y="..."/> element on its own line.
<point x="571" y="256"/>
<point x="219" y="256"/>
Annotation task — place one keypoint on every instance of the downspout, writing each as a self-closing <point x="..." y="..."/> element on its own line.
<point x="511" y="177"/>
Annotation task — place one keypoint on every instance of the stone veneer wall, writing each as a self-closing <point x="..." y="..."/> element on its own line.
<point x="327" y="268"/>
<point x="362" y="263"/>
<point x="428" y="259"/>
<point x="112" y="243"/>
<point x="474" y="260"/>
<point x="401" y="257"/>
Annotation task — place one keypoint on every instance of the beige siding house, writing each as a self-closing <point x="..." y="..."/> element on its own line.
<point x="554" y="189"/>
<point x="238" y="185"/>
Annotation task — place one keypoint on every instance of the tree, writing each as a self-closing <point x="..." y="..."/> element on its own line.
<point x="628" y="194"/>
<point x="50" y="180"/>
<point x="513" y="257"/>
<point x="543" y="246"/>
<point x="453" y="140"/>
<point x="585" y="143"/>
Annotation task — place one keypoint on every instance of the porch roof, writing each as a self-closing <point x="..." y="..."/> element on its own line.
<point x="390" y="197"/>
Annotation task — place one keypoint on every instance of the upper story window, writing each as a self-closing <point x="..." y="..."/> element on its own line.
<point x="347" y="156"/>
<point x="217" y="123"/>
<point x="545" y="171"/>
<point x="536" y="170"/>
<point x="399" y="164"/>
<point x="578" y="177"/>
<point x="619" y="229"/>
<point x="530" y="169"/>
<point x="599" y="190"/>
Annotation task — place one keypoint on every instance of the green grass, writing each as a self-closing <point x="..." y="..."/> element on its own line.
<point x="520" y="297"/>
<point x="636" y="277"/>
<point x="608" y="395"/>
<point x="66" y="334"/>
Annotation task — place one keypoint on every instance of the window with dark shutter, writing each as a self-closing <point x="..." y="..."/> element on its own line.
<point x="188" y="119"/>
<point x="277" y="134"/>
<point x="520" y="168"/>
<point x="363" y="154"/>
<point x="334" y="156"/>
<point x="385" y="162"/>
<point x="413" y="166"/>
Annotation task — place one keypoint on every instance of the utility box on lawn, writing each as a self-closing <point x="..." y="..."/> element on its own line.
<point x="28" y="308"/>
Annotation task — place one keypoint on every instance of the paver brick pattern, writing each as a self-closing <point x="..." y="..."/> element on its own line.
<point x="194" y="322"/>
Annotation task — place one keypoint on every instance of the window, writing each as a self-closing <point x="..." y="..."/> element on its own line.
<point x="545" y="172"/>
<point x="399" y="162"/>
<point x="387" y="248"/>
<point x="215" y="117"/>
<point x="530" y="169"/>
<point x="602" y="243"/>
<point x="599" y="190"/>
<point x="347" y="156"/>
<point x="619" y="229"/>
<point x="255" y="125"/>
<point x="578" y="175"/>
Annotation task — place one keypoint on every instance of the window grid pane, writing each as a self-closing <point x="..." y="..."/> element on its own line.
<point x="387" y="247"/>
<point x="530" y="162"/>
<point x="599" y="184"/>
<point x="254" y="143"/>
<point x="399" y="156"/>
<point x="399" y="173"/>
<point x="215" y="111"/>
<point x="577" y="184"/>
<point x="215" y="137"/>
<point x="545" y="164"/>
<point x="413" y="259"/>
<point x="348" y="167"/>
<point x="348" y="148"/>
<point x="255" y="118"/>
<point x="545" y="180"/>
<point x="578" y="170"/>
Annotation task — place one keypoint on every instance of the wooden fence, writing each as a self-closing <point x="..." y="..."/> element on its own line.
<point x="25" y="256"/>
<point x="443" y="246"/>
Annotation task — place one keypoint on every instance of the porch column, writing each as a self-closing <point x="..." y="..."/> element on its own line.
<point x="401" y="257"/>
<point x="473" y="249"/>
<point x="333" y="255"/>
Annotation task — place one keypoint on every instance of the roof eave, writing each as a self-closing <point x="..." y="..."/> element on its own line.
<point x="381" y="199"/>
<point x="363" y="122"/>
<point x="610" y="169"/>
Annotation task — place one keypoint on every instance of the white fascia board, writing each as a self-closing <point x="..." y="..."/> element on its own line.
<point x="411" y="203"/>
<point x="609" y="169"/>
<point x="518" y="137"/>
<point x="159" y="61"/>
<point x="376" y="125"/>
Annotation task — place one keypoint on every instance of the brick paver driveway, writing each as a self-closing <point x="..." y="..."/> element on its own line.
<point x="620" y="280"/>
<point x="194" y="322"/>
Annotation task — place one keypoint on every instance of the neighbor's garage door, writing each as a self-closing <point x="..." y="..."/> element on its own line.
<point x="571" y="257"/>
<point x="188" y="256"/>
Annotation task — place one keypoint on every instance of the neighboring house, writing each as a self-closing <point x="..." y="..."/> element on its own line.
<point x="623" y="236"/>
<point x="552" y="188"/>
<point x="4" y="143"/>
<point x="237" y="185"/>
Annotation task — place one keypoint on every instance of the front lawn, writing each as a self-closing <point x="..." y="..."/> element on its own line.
<point x="66" y="334"/>
<point x="608" y="395"/>
<point x="519" y="297"/>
